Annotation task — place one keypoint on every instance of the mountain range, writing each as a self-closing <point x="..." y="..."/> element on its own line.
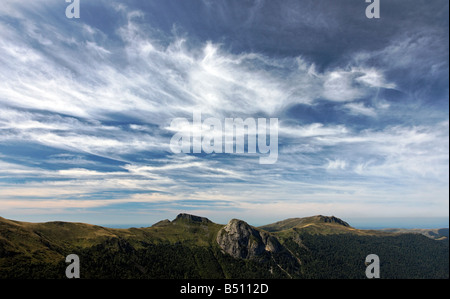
<point x="191" y="246"/>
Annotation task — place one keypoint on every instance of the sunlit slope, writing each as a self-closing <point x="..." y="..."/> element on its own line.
<point x="319" y="224"/>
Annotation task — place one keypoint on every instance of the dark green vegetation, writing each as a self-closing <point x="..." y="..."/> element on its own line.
<point x="194" y="247"/>
<point x="437" y="234"/>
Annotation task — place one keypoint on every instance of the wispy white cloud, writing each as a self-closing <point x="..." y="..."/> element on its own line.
<point x="336" y="164"/>
<point x="313" y="130"/>
<point x="352" y="84"/>
<point x="86" y="93"/>
<point x="360" y="109"/>
<point x="398" y="151"/>
<point x="84" y="79"/>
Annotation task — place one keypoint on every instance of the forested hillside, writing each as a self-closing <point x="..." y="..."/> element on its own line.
<point x="194" y="247"/>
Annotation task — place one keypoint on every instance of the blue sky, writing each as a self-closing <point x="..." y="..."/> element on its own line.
<point x="86" y="105"/>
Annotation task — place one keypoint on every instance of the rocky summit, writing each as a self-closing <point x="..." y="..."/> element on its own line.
<point x="241" y="240"/>
<point x="191" y="218"/>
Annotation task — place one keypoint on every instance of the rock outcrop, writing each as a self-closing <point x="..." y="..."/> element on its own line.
<point x="241" y="240"/>
<point x="191" y="218"/>
<point x="331" y="219"/>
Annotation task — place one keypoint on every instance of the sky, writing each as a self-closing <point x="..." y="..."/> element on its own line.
<point x="86" y="107"/>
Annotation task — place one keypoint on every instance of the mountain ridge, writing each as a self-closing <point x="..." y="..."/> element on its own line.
<point x="299" y="222"/>
<point x="195" y="247"/>
<point x="279" y="226"/>
<point x="191" y="218"/>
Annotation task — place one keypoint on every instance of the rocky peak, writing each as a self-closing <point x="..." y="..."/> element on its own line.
<point x="331" y="219"/>
<point x="191" y="218"/>
<point x="162" y="223"/>
<point x="241" y="240"/>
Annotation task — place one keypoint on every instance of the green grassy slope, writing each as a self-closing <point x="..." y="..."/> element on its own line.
<point x="182" y="248"/>
<point x="187" y="247"/>
<point x="322" y="225"/>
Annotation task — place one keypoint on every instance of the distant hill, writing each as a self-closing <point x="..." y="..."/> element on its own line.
<point x="320" y="225"/>
<point x="191" y="246"/>
<point x="304" y="222"/>
<point x="437" y="233"/>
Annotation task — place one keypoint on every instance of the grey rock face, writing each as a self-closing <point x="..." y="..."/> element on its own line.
<point x="240" y="240"/>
